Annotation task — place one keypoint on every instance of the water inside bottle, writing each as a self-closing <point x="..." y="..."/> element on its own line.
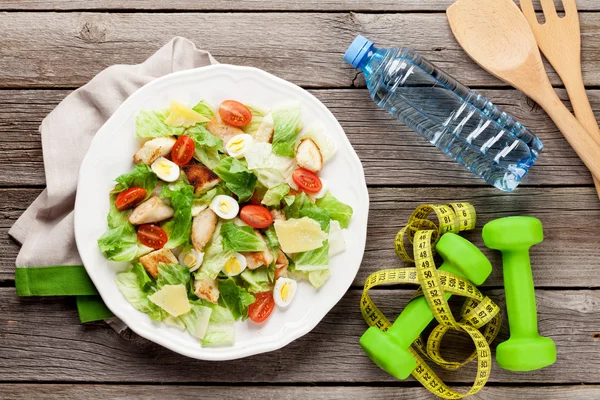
<point x="462" y="123"/>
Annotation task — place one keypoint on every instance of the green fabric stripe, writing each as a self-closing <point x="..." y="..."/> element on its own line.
<point x="92" y="308"/>
<point x="68" y="280"/>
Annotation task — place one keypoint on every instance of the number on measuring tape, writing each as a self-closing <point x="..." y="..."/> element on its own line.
<point x="478" y="312"/>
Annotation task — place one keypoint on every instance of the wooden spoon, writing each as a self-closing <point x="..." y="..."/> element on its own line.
<point x="497" y="36"/>
<point x="560" y="41"/>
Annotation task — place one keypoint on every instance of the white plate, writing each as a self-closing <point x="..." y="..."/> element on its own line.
<point x="110" y="155"/>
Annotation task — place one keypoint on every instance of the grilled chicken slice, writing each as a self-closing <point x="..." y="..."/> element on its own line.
<point x="309" y="156"/>
<point x="277" y="215"/>
<point x="154" y="149"/>
<point x="220" y="129"/>
<point x="151" y="260"/>
<point x="265" y="130"/>
<point x="256" y="260"/>
<point x="207" y="289"/>
<point x="201" y="178"/>
<point x="281" y="265"/>
<point x="203" y="227"/>
<point x="152" y="210"/>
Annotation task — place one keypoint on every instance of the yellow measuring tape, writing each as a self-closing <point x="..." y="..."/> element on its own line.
<point x="478" y="311"/>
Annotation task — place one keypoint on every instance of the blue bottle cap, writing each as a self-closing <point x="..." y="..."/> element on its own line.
<point x="358" y="50"/>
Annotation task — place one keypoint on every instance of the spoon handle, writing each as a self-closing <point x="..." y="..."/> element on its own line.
<point x="586" y="146"/>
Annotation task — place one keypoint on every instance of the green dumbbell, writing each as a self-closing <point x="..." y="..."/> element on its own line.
<point x="526" y="350"/>
<point x="389" y="350"/>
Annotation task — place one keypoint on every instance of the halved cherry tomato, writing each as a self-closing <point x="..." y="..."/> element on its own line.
<point x="260" y="310"/>
<point x="256" y="216"/>
<point x="152" y="236"/>
<point x="307" y="180"/>
<point x="130" y="198"/>
<point x="235" y="113"/>
<point x="183" y="150"/>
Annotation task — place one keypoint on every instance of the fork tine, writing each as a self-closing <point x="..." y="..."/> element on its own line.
<point x="529" y="12"/>
<point x="549" y="9"/>
<point x="570" y="8"/>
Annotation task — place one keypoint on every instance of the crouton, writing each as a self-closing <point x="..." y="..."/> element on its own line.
<point x="207" y="289"/>
<point x="150" y="261"/>
<point x="152" y="210"/>
<point x="220" y="129"/>
<point x="266" y="129"/>
<point x="309" y="156"/>
<point x="153" y="150"/>
<point x="203" y="227"/>
<point x="201" y="178"/>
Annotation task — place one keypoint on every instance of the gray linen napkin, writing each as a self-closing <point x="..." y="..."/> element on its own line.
<point x="46" y="229"/>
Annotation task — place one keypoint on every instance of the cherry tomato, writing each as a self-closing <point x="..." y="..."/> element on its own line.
<point x="260" y="310"/>
<point x="307" y="180"/>
<point x="256" y="216"/>
<point x="130" y="198"/>
<point x="183" y="150"/>
<point x="152" y="236"/>
<point x="235" y="113"/>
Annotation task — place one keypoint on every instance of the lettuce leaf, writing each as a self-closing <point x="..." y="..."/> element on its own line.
<point x="179" y="228"/>
<point x="219" y="334"/>
<point x="286" y="121"/>
<point x="141" y="176"/>
<point x="314" y="260"/>
<point x="237" y="178"/>
<point x="215" y="256"/>
<point x="235" y="298"/>
<point x="151" y="124"/>
<point x="116" y="218"/>
<point x="318" y="278"/>
<point x="120" y="243"/>
<point x="207" y="146"/>
<point x="220" y="331"/>
<point x="272" y="170"/>
<point x="240" y="238"/>
<point x="304" y="207"/>
<point x="257" y="280"/>
<point x="271" y="238"/>
<point x="337" y="244"/>
<point x="172" y="274"/>
<point x="136" y="286"/>
<point x="204" y="109"/>
<point x="275" y="195"/>
<point x="196" y="321"/>
<point x="337" y="210"/>
<point x="258" y="114"/>
<point x="203" y="138"/>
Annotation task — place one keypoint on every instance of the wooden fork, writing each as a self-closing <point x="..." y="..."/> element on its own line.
<point x="560" y="41"/>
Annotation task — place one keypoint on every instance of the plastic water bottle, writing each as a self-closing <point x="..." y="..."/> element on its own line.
<point x="460" y="122"/>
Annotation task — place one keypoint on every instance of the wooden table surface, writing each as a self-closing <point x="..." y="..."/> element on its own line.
<point x="50" y="47"/>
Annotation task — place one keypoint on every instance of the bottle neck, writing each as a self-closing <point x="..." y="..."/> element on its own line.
<point x="371" y="61"/>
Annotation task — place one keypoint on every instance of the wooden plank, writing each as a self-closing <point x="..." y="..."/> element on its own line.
<point x="43" y="341"/>
<point x="569" y="256"/>
<point x="174" y="392"/>
<point x="249" y="5"/>
<point x="305" y="48"/>
<point x="390" y="152"/>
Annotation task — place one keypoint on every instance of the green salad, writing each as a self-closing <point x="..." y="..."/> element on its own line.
<point x="222" y="215"/>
